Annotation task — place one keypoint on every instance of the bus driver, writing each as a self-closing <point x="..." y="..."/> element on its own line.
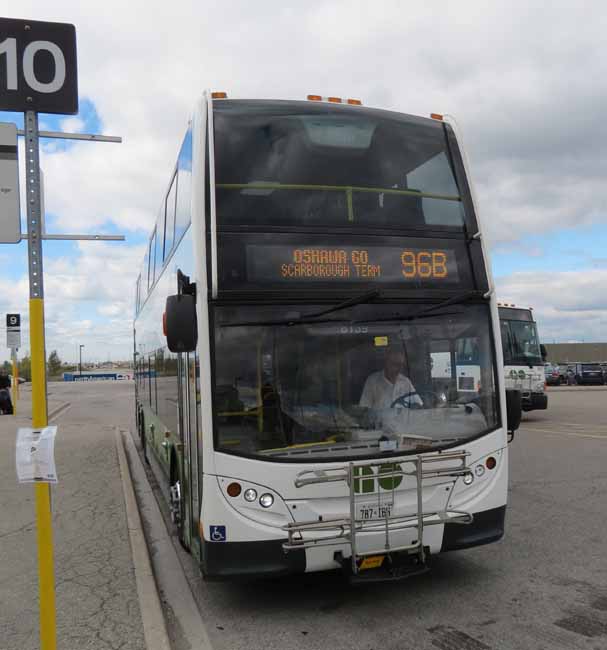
<point x="384" y="386"/>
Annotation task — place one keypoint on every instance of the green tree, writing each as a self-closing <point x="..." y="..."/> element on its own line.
<point x="54" y="364"/>
<point x="25" y="368"/>
<point x="7" y="367"/>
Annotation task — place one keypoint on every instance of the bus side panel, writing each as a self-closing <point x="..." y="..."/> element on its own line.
<point x="160" y="397"/>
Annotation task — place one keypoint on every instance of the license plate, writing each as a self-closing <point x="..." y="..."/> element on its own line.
<point x="368" y="511"/>
<point x="371" y="562"/>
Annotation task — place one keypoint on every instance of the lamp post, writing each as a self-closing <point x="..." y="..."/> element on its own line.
<point x="80" y="363"/>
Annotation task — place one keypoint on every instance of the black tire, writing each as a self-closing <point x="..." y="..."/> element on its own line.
<point x="142" y="438"/>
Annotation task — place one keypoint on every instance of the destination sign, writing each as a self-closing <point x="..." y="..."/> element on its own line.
<point x="403" y="265"/>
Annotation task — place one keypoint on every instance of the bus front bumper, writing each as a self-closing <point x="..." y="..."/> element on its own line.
<point x="487" y="527"/>
<point x="535" y="402"/>
<point x="248" y="560"/>
<point x="259" y="559"/>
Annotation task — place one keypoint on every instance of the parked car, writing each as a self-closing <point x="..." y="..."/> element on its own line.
<point x="588" y="373"/>
<point x="552" y="374"/>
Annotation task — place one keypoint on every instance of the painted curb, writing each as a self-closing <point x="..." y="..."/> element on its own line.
<point x="170" y="576"/>
<point x="154" y="627"/>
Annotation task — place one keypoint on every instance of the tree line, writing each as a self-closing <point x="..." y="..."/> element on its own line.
<point x="54" y="366"/>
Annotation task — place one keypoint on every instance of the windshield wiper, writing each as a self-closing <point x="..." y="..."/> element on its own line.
<point x="314" y="316"/>
<point x="455" y="300"/>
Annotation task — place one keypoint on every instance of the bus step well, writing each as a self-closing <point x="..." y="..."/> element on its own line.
<point x="372" y="511"/>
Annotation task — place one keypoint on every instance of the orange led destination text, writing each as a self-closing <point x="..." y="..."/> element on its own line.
<point x="330" y="263"/>
<point x="338" y="263"/>
<point x="424" y="264"/>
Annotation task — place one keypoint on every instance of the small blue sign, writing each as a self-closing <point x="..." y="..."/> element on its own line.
<point x="218" y="533"/>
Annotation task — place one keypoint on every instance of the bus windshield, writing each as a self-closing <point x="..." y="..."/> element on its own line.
<point x="365" y="382"/>
<point x="300" y="163"/>
<point x="521" y="343"/>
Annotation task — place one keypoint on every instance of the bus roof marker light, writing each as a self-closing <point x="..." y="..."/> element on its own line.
<point x="334" y="100"/>
<point x="219" y="95"/>
<point x="355" y="102"/>
<point x="436" y="116"/>
<point x="314" y="98"/>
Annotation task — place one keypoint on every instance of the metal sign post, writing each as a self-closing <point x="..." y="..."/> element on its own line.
<point x="41" y="76"/>
<point x="48" y="634"/>
<point x="13" y="342"/>
<point x="15" y="379"/>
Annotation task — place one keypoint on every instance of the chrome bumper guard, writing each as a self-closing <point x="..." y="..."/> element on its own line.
<point x="346" y="529"/>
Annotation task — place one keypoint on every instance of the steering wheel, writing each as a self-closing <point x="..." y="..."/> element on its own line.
<point x="400" y="400"/>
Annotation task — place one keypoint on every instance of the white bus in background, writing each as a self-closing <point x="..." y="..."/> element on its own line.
<point x="523" y="355"/>
<point x="301" y="248"/>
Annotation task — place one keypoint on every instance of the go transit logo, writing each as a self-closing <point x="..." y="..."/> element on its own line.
<point x="368" y="480"/>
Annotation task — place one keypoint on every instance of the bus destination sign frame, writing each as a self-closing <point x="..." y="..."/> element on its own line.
<point x="290" y="264"/>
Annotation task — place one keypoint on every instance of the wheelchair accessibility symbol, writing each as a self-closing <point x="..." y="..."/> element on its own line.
<point x="218" y="533"/>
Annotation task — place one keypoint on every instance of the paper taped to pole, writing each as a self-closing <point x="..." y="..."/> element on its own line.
<point x="35" y="455"/>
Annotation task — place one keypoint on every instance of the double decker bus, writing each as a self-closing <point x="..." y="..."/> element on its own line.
<point x="311" y="262"/>
<point x="523" y="356"/>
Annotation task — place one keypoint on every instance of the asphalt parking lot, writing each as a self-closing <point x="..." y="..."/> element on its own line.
<point x="543" y="586"/>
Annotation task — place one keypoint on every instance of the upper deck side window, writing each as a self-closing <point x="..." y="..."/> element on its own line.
<point x="183" y="212"/>
<point x="292" y="163"/>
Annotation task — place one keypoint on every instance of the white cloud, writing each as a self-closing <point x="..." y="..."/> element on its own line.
<point x="72" y="125"/>
<point x="509" y="71"/>
<point x="568" y="305"/>
<point x="525" y="82"/>
<point x="89" y="299"/>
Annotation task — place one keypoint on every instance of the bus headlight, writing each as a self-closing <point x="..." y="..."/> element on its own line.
<point x="250" y="495"/>
<point x="468" y="478"/>
<point x="266" y="500"/>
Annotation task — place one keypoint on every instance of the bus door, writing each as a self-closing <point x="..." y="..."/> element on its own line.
<point x="187" y="369"/>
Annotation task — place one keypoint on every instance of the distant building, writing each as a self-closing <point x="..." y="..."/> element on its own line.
<point x="569" y="352"/>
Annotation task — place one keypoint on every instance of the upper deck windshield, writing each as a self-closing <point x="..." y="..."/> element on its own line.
<point x="365" y="381"/>
<point x="298" y="163"/>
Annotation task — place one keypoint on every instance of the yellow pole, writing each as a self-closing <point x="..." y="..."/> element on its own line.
<point x="15" y="383"/>
<point x="16" y="376"/>
<point x="48" y="633"/>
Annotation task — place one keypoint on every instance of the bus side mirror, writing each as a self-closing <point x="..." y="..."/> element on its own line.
<point x="179" y="324"/>
<point x="543" y="352"/>
<point x="514" y="411"/>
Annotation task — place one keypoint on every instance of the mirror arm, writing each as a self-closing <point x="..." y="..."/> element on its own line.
<point x="184" y="286"/>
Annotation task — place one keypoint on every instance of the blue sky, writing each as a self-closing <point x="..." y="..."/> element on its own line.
<point x="509" y="71"/>
<point x="583" y="248"/>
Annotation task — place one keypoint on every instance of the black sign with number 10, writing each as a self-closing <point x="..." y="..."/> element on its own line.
<point x="38" y="69"/>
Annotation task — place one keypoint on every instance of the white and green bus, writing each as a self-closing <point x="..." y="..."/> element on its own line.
<point x="309" y="263"/>
<point x="523" y="356"/>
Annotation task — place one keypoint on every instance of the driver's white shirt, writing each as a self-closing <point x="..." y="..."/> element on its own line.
<point x="379" y="392"/>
